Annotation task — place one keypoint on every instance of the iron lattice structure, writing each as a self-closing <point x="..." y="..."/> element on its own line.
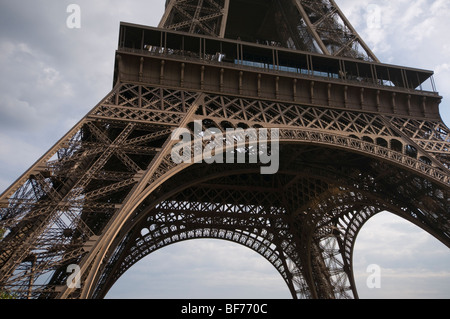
<point x="356" y="137"/>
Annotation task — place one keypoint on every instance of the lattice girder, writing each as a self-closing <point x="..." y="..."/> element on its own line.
<point x="197" y="16"/>
<point x="230" y="217"/>
<point x="316" y="26"/>
<point x="73" y="191"/>
<point x="110" y="154"/>
<point x="354" y="140"/>
<point x="357" y="209"/>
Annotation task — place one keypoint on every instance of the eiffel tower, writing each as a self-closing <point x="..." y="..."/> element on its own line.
<point x="355" y="137"/>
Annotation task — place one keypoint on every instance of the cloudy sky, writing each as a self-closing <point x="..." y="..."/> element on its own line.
<point x="52" y="75"/>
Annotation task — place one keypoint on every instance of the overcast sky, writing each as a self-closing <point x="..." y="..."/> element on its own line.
<point x="51" y="76"/>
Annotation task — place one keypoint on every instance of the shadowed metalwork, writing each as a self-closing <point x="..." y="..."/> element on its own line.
<point x="356" y="137"/>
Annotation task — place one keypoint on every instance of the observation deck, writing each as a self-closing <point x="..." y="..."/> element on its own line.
<point x="266" y="70"/>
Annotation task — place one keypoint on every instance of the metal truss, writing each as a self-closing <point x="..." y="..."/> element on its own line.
<point x="109" y="192"/>
<point x="207" y="17"/>
<point x="309" y="25"/>
<point x="260" y="222"/>
<point x="118" y="154"/>
<point x="55" y="211"/>
<point x="332" y="31"/>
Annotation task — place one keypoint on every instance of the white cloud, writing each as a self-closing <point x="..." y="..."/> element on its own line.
<point x="33" y="90"/>
<point x="412" y="262"/>
<point x="16" y="156"/>
<point x="411" y="33"/>
<point x="202" y="269"/>
<point x="406" y="283"/>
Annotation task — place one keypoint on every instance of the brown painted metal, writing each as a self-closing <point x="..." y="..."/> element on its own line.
<point x="310" y="25"/>
<point x="356" y="137"/>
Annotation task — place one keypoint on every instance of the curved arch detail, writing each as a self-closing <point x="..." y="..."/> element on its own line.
<point x="359" y="205"/>
<point x="164" y="168"/>
<point x="357" y="221"/>
<point x="261" y="245"/>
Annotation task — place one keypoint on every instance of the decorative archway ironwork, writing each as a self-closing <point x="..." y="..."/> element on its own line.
<point x="355" y="137"/>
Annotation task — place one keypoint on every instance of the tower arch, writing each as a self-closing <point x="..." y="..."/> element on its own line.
<point x="350" y="146"/>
